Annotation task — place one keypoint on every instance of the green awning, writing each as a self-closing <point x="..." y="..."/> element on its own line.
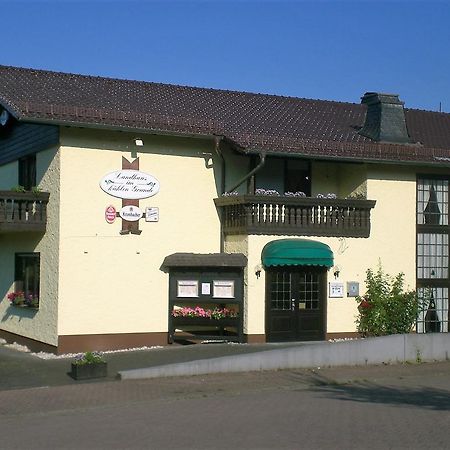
<point x="297" y="252"/>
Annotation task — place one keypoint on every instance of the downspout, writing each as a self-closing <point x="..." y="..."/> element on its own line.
<point x="217" y="141"/>
<point x="262" y="157"/>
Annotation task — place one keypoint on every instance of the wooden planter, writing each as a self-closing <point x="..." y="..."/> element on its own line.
<point x="205" y="321"/>
<point x="88" y="371"/>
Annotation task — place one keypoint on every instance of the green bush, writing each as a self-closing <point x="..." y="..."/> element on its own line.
<point x="386" y="308"/>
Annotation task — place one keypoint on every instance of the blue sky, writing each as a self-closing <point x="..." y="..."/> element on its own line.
<point x="334" y="50"/>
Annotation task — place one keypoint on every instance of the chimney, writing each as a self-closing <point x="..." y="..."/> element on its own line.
<point x="385" y="118"/>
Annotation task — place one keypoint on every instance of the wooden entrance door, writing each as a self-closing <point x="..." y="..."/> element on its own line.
<point x="296" y="304"/>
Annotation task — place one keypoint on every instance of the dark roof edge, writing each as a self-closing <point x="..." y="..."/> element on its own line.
<point x="95" y="125"/>
<point x="13" y="111"/>
<point x="442" y="162"/>
<point x="205" y="260"/>
<point x="308" y="149"/>
<point x="392" y="153"/>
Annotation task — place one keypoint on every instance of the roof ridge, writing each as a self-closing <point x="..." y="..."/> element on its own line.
<point x="427" y="111"/>
<point x="183" y="86"/>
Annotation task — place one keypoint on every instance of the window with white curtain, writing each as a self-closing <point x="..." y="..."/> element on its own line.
<point x="432" y="202"/>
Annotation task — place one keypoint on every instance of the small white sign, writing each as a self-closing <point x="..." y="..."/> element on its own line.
<point x="336" y="290"/>
<point x="130" y="184"/>
<point x="152" y="214"/>
<point x="131" y="213"/>
<point x="206" y="288"/>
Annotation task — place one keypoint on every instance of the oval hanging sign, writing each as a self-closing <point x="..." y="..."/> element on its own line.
<point x="131" y="213"/>
<point x="130" y="184"/>
<point x="110" y="214"/>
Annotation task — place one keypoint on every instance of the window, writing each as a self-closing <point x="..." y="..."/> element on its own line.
<point x="280" y="291"/>
<point x="284" y="175"/>
<point x="27" y="172"/>
<point x="298" y="177"/>
<point x="433" y="277"/>
<point x="27" y="274"/>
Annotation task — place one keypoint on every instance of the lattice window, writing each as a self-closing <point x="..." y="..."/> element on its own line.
<point x="433" y="315"/>
<point x="309" y="290"/>
<point x="433" y="277"/>
<point x="432" y="202"/>
<point x="280" y="291"/>
<point x="432" y="255"/>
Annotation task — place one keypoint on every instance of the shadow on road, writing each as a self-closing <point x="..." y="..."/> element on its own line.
<point x="365" y="391"/>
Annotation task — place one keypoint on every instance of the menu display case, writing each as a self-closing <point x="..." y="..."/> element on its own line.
<point x="206" y="297"/>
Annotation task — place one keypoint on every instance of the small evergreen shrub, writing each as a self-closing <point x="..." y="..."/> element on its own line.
<point x="386" y="308"/>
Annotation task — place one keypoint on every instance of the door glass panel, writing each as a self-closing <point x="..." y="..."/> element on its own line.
<point x="309" y="291"/>
<point x="280" y="291"/>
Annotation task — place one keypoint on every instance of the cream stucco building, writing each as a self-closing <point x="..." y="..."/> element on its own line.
<point x="122" y="202"/>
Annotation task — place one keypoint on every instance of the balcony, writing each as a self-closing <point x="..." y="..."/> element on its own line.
<point x="23" y="211"/>
<point x="302" y="216"/>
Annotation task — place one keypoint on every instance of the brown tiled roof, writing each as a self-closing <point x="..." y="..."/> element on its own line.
<point x="253" y="121"/>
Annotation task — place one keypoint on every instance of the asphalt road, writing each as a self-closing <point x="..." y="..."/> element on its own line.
<point x="380" y="407"/>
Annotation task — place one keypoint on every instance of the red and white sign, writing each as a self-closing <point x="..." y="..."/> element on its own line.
<point x="110" y="214"/>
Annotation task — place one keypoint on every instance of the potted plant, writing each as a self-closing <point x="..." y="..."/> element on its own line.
<point x="32" y="301"/>
<point x="89" y="365"/>
<point x="17" y="298"/>
<point x="20" y="299"/>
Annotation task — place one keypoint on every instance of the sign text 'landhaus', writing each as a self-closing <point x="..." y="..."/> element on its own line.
<point x="130" y="184"/>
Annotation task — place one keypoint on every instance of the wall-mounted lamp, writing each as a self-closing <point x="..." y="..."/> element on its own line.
<point x="258" y="269"/>
<point x="138" y="142"/>
<point x="336" y="272"/>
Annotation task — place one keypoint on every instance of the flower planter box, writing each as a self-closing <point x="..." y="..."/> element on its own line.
<point x="88" y="371"/>
<point x="205" y="321"/>
<point x="25" y="305"/>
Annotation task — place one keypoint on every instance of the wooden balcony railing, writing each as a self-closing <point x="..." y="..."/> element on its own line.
<point x="303" y="216"/>
<point x="23" y="211"/>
